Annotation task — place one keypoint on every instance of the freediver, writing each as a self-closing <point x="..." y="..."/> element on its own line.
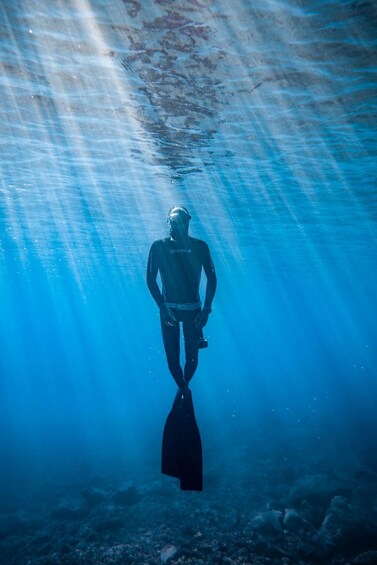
<point x="180" y="259"/>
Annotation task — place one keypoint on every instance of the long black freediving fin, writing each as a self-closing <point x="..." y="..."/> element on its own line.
<point x="182" y="445"/>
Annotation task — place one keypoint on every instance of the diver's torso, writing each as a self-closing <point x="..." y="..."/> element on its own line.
<point x="180" y="265"/>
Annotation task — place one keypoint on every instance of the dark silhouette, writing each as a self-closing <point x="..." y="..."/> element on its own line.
<point x="182" y="445"/>
<point x="180" y="259"/>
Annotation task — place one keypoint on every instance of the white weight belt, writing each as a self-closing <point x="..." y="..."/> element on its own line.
<point x="184" y="305"/>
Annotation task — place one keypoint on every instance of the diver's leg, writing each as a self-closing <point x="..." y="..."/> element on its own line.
<point x="170" y="337"/>
<point x="191" y="337"/>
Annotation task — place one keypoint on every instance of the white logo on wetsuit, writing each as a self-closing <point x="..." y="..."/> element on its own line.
<point x="180" y="251"/>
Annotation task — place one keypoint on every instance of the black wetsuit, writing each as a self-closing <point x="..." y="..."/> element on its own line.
<point x="180" y="265"/>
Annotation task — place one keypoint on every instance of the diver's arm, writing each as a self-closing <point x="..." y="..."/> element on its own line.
<point x="167" y="315"/>
<point x="152" y="270"/>
<point x="209" y="269"/>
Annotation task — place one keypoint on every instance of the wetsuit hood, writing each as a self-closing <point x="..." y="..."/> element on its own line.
<point x="178" y="219"/>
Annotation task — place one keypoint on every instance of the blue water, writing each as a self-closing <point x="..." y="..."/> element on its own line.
<point x="261" y="120"/>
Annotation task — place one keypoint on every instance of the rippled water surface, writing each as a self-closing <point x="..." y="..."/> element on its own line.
<point x="261" y="117"/>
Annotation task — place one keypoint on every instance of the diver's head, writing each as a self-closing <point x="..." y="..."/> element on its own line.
<point x="178" y="220"/>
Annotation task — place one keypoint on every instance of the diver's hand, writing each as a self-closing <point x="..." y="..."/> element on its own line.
<point x="201" y="319"/>
<point x="167" y="316"/>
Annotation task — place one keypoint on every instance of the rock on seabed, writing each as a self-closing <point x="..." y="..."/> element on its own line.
<point x="168" y="552"/>
<point x="269" y="523"/>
